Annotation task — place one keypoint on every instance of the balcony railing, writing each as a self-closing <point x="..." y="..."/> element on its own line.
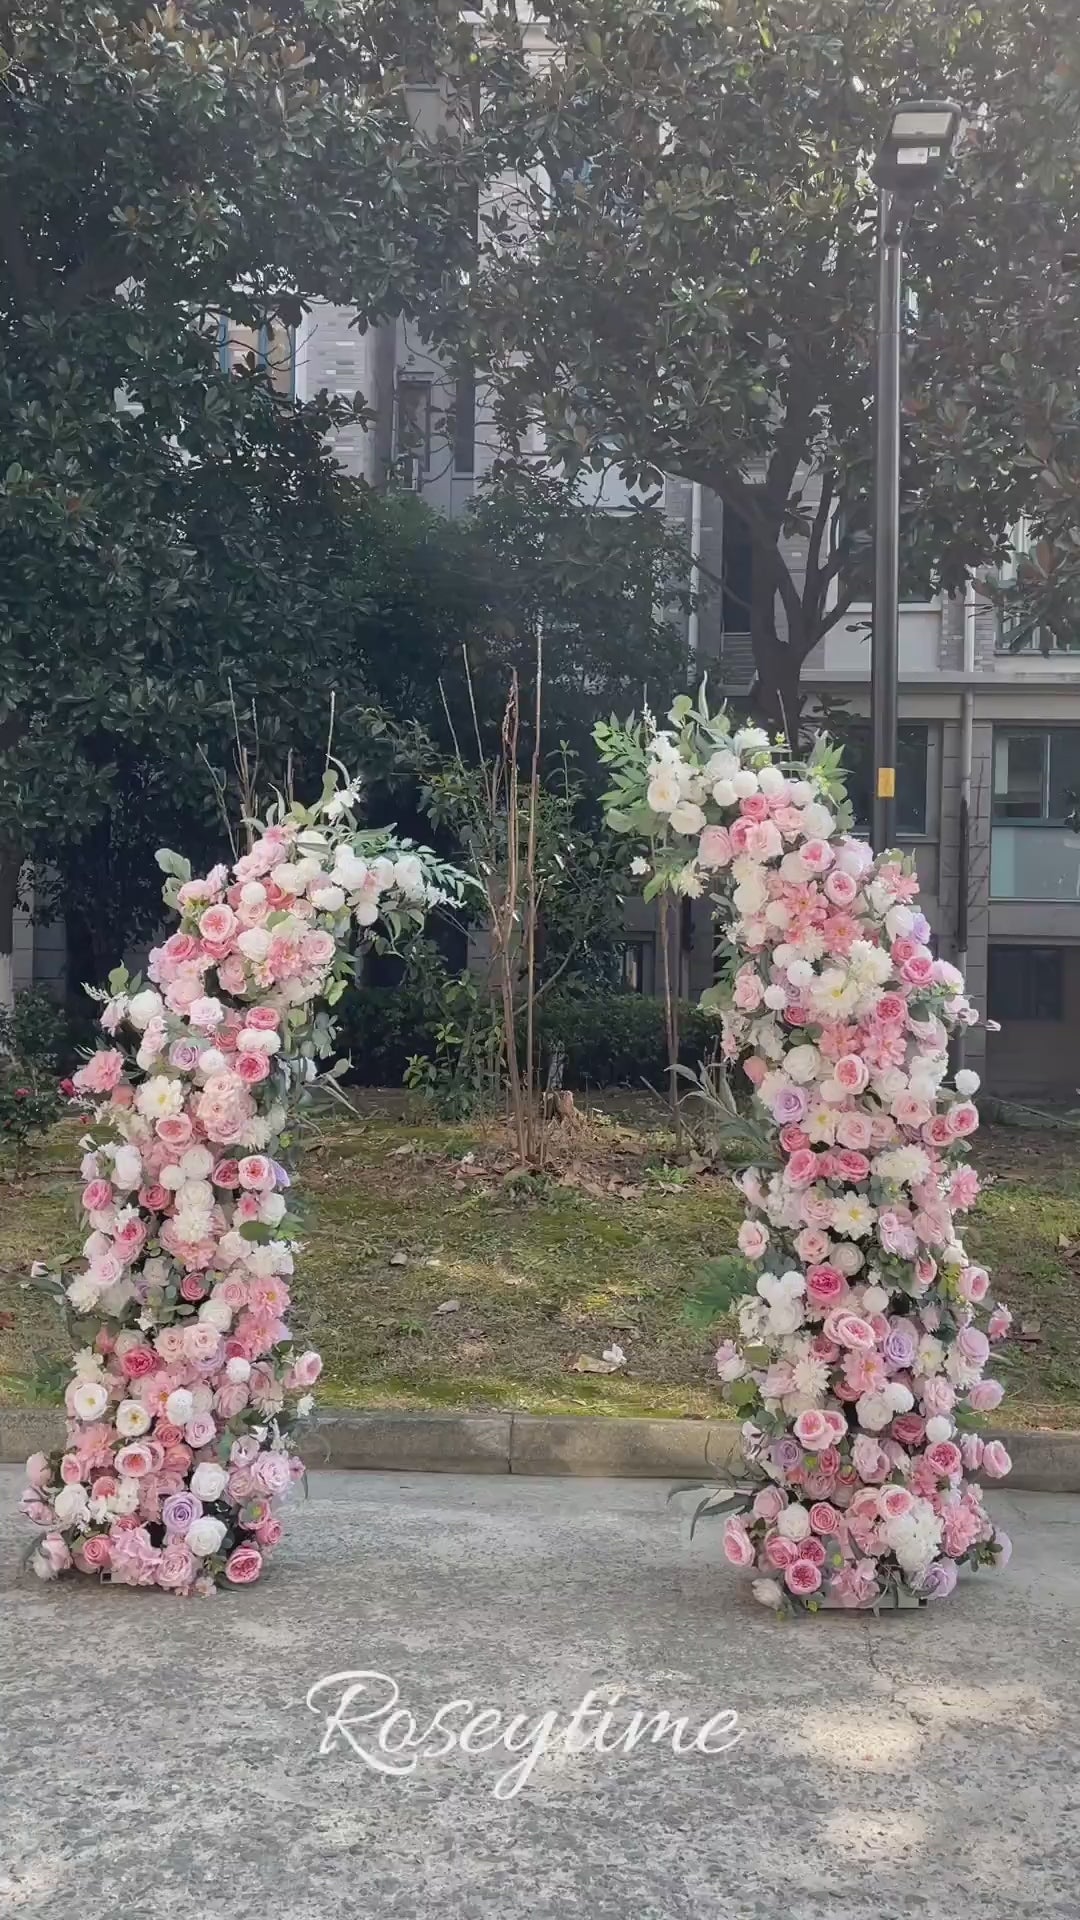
<point x="1034" y="863"/>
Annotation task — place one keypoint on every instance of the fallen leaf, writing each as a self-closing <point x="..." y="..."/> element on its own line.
<point x="449" y="1306"/>
<point x="587" y="1363"/>
<point x="399" y="1259"/>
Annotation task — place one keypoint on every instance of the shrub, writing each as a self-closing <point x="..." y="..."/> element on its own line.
<point x="606" y="1039"/>
<point x="33" y="1042"/>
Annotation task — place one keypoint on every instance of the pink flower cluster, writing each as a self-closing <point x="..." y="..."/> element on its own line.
<point x="859" y="1366"/>
<point x="182" y="1403"/>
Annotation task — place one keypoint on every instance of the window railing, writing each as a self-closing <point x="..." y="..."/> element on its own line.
<point x="1034" y="862"/>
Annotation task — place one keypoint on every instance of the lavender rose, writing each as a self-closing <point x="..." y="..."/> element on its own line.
<point x="179" y="1511"/>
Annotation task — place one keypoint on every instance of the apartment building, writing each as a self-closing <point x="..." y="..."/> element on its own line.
<point x="981" y="718"/>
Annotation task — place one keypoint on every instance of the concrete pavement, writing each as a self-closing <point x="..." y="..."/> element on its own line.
<point x="159" y="1757"/>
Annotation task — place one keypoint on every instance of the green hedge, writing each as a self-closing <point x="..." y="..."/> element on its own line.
<point x="608" y="1039"/>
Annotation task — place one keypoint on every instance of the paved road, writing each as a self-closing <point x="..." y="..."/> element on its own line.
<point x="160" y="1759"/>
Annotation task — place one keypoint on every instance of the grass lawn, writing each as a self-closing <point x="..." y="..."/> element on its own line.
<point x="432" y="1278"/>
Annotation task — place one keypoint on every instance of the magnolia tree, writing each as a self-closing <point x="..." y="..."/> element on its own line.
<point x="863" y="1326"/>
<point x="187" y="1384"/>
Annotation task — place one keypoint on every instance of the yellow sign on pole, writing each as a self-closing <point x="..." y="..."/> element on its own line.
<point x="886" y="783"/>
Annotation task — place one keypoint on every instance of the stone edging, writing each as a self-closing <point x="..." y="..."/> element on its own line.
<point x="1044" y="1461"/>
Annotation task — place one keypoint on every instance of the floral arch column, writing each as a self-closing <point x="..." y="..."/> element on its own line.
<point x="864" y="1328"/>
<point x="187" y="1385"/>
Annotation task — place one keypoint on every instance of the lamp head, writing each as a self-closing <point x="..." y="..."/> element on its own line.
<point x="918" y="145"/>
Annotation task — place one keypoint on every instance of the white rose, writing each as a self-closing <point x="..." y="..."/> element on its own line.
<point x="132" y="1419"/>
<point x="144" y="1007"/>
<point x="205" y="1535"/>
<point x="179" y="1407"/>
<point x="208" y="1481"/>
<point x="801" y="1064"/>
<point x="745" y="782"/>
<point x="206" y="1013"/>
<point x="254" y="943"/>
<point x="71" y="1502"/>
<point x="938" y="1429"/>
<point x="238" y="1369"/>
<point x="211" y="1061"/>
<point x="724" y="793"/>
<point x="127" y="1168"/>
<point x="794" y="1523"/>
<point x="874" y="1300"/>
<point x="304" y="1405"/>
<point x="366" y="911"/>
<point x="769" y="1592"/>
<point x="349" y="870"/>
<point x="216" y="1313"/>
<point x="874" y="1411"/>
<point x="252" y="893"/>
<point x="967" y="1083"/>
<point x="686" y="818"/>
<point x="328" y="899"/>
<point x="664" y="790"/>
<point x="90" y="1398"/>
<point x="272" y="1209"/>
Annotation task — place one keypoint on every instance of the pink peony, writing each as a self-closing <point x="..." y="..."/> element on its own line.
<point x="802" y="1577"/>
<point x="244" y="1565"/>
<point x="101" y="1072"/>
<point x="996" y="1460"/>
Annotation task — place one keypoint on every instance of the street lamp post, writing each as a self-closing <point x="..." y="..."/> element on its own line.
<point x="912" y="158"/>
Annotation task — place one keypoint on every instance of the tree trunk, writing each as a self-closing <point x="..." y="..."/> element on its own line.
<point x="777" y="663"/>
<point x="10" y="869"/>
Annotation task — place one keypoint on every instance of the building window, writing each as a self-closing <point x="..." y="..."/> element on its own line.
<point x="271" y="347"/>
<point x="638" y="965"/>
<point x="911" y="776"/>
<point x="1037" y="774"/>
<point x="465" y="424"/>
<point x="412" y="426"/>
<point x="1025" y="983"/>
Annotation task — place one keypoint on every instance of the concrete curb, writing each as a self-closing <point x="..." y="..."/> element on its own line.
<point x="587" y="1445"/>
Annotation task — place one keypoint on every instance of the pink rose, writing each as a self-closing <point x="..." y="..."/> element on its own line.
<point x="851" y="1073"/>
<point x="850" y="1330"/>
<point x="217" y="924"/>
<point x="94" y="1553"/>
<point x="255" y="1172"/>
<point x="244" y="1565"/>
<point x="840" y="888"/>
<point x="825" y="1285"/>
<point x="97" y="1196"/>
<point x="996" y="1460"/>
<point x="769" y="1503"/>
<point x="263" y="1019"/>
<point x="999" y="1323"/>
<point x="825" y="1518"/>
<point x="801" y="1169"/>
<point x="962" y="1119"/>
<point x="305" y="1370"/>
<point x="780" y="1553"/>
<point x="802" y="1576"/>
<point x="252" y="1067"/>
<point x="855" y="1130"/>
<point x="811" y="1429"/>
<point x="945" y="1459"/>
<point x="200" y="1430"/>
<point x="919" y="970"/>
<point x="135" y="1459"/>
<point x="226" y="1173"/>
<point x="714" y="849"/>
<point x="269" y="1531"/>
<point x="176" y="1568"/>
<point x="985" y="1395"/>
<point x="37" y="1470"/>
<point x="974" y="1346"/>
<point x="738" y="1546"/>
